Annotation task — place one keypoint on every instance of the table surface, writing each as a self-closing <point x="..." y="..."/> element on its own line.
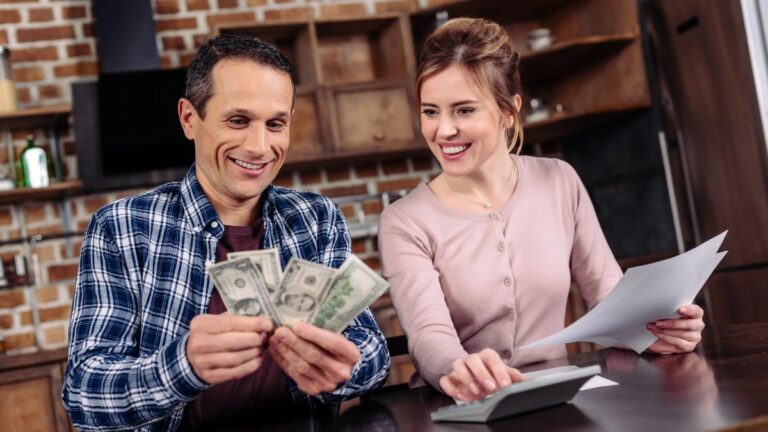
<point x="723" y="384"/>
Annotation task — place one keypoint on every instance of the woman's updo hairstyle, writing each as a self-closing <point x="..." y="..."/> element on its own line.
<point x="484" y="50"/>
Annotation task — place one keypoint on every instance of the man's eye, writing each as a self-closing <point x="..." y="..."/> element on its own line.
<point x="276" y="125"/>
<point x="238" y="122"/>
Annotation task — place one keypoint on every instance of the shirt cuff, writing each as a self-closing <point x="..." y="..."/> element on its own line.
<point x="174" y="374"/>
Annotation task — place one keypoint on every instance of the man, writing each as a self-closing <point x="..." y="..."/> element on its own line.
<point x="149" y="345"/>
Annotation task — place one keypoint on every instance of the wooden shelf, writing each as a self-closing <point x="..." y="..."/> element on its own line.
<point x="564" y="57"/>
<point x="562" y="125"/>
<point x="56" y="190"/>
<point x="34" y="117"/>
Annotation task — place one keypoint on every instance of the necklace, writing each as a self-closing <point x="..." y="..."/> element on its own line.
<point x="489" y="204"/>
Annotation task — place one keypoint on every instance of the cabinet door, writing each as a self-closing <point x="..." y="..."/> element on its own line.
<point x="737" y="297"/>
<point x="373" y="119"/>
<point x="30" y="400"/>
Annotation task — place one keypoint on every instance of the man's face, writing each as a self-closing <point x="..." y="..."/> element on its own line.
<point x="243" y="140"/>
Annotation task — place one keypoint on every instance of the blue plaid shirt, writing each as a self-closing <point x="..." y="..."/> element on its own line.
<point x="141" y="281"/>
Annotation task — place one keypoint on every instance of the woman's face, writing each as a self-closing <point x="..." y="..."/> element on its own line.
<point x="461" y="123"/>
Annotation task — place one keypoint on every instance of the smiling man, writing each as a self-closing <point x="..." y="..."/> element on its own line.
<point x="150" y="347"/>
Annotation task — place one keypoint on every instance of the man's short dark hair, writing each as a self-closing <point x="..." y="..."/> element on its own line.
<point x="199" y="87"/>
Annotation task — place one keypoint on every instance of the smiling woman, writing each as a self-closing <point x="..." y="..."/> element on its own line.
<point x="481" y="259"/>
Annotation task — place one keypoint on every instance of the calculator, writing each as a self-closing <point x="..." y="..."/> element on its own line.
<point x="520" y="397"/>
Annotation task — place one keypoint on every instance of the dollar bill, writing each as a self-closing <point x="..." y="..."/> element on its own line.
<point x="268" y="263"/>
<point x="242" y="288"/>
<point x="355" y="287"/>
<point x="304" y="286"/>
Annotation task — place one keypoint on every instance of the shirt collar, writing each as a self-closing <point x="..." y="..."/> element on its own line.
<point x="198" y="208"/>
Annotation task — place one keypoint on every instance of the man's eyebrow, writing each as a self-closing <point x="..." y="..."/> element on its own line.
<point x="243" y="111"/>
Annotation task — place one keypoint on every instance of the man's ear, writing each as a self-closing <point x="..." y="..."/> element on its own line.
<point x="187" y="116"/>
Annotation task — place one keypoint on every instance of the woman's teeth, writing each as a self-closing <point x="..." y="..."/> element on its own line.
<point x="455" y="149"/>
<point x="248" y="165"/>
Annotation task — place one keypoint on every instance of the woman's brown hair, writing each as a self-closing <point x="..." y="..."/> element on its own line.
<point x="484" y="50"/>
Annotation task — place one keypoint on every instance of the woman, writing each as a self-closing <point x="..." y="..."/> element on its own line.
<point x="481" y="260"/>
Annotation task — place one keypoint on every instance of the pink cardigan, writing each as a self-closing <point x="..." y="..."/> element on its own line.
<point x="462" y="282"/>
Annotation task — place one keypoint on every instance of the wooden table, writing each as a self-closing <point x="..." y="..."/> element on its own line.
<point x="721" y="386"/>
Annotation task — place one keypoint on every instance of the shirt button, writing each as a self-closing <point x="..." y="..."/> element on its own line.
<point x="501" y="246"/>
<point x="214" y="224"/>
<point x="507" y="281"/>
<point x="506" y="354"/>
<point x="493" y="216"/>
<point x="197" y="229"/>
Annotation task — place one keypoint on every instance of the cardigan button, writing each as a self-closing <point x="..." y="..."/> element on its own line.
<point x="507" y="281"/>
<point x="506" y="354"/>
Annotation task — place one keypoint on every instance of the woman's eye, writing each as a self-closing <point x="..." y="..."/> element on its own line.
<point x="465" y="111"/>
<point x="429" y="112"/>
<point x="238" y="122"/>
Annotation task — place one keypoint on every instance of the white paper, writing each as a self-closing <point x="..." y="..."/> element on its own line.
<point x="645" y="294"/>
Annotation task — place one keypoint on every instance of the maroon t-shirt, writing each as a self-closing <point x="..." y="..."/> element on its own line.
<point x="265" y="392"/>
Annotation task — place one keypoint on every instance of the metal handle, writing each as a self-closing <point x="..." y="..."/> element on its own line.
<point x="671" y="191"/>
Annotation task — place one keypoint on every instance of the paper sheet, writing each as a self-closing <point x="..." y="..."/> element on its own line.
<point x="595" y="382"/>
<point x="645" y="294"/>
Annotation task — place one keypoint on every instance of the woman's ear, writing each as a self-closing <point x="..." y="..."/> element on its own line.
<point x="517" y="101"/>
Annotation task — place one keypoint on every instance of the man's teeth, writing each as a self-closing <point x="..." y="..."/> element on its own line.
<point x="455" y="149"/>
<point x="248" y="165"/>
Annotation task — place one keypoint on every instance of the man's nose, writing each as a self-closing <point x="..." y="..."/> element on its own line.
<point x="256" y="140"/>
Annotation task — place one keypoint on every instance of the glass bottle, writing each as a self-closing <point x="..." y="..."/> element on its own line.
<point x="34" y="165"/>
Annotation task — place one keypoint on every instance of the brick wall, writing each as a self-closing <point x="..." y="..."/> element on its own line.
<point x="53" y="44"/>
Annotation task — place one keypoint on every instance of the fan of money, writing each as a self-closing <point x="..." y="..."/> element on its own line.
<point x="253" y="283"/>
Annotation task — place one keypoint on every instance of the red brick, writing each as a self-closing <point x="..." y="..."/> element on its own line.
<point x="394" y="185"/>
<point x="46" y="230"/>
<point x="310" y="176"/>
<point x="174" y="43"/>
<point x="6" y="218"/>
<point x="18" y="341"/>
<point x="163" y="7"/>
<point x="394" y="167"/>
<point x="175" y="24"/>
<point x="41" y="15"/>
<point x="25" y="318"/>
<point x="358" y="189"/>
<point x="88" y="30"/>
<point x="79" y="50"/>
<point x="44" y="34"/>
<point x="373" y="207"/>
<point x="198" y="5"/>
<point x="45" y="254"/>
<point x="166" y="62"/>
<point x="77" y="69"/>
<point x="284" y="179"/>
<point x="200" y="39"/>
<point x="359" y="245"/>
<point x="35" y="213"/>
<point x="26" y="74"/>
<point x="373" y="263"/>
<point x="231" y="18"/>
<point x="11" y="299"/>
<point x="3" y="37"/>
<point x="94" y="202"/>
<point x="62" y="272"/>
<point x="6" y="321"/>
<point x="342" y="10"/>
<point x="9" y="16"/>
<point x="55" y="313"/>
<point x="227" y="4"/>
<point x="71" y="290"/>
<point x="76" y="245"/>
<point x="433" y="3"/>
<point x="348" y="210"/>
<point x="49" y="91"/>
<point x="23" y="94"/>
<point x="396" y="6"/>
<point x="55" y="335"/>
<point x="293" y="14"/>
<point x="34" y="54"/>
<point x="369" y="169"/>
<point x="47" y="294"/>
<point x="337" y="174"/>
<point x="256" y="2"/>
<point x="73" y="12"/>
<point x="186" y="59"/>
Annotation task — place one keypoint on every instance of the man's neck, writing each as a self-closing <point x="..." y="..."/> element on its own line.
<point x="232" y="212"/>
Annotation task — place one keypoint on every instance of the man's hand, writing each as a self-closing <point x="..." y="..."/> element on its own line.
<point x="678" y="335"/>
<point x="477" y="376"/>
<point x="226" y="347"/>
<point x="317" y="359"/>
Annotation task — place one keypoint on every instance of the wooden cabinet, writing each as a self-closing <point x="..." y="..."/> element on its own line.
<point x="354" y="93"/>
<point x="30" y="392"/>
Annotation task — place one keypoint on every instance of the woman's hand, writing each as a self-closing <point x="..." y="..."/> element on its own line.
<point x="679" y="335"/>
<point x="477" y="376"/>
